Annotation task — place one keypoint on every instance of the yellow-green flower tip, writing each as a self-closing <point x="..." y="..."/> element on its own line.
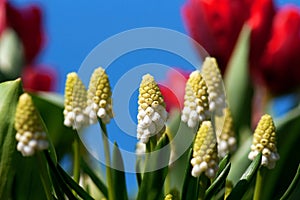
<point x="264" y="141"/>
<point x="152" y="113"/>
<point x="169" y="197"/>
<point x="196" y="105"/>
<point x="75" y="102"/>
<point x="99" y="97"/>
<point x="30" y="135"/>
<point x="211" y="74"/>
<point x="226" y="138"/>
<point x="205" y="153"/>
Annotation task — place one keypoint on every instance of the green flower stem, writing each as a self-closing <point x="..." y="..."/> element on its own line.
<point x="203" y="185"/>
<point x="107" y="160"/>
<point x="259" y="183"/>
<point x="76" y="161"/>
<point x="44" y="175"/>
<point x="150" y="145"/>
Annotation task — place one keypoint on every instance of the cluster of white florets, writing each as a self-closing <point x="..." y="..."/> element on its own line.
<point x="264" y="141"/>
<point x="30" y="135"/>
<point x="99" y="102"/>
<point x="29" y="142"/>
<point x="152" y="113"/>
<point x="75" y="103"/>
<point x="205" y="153"/>
<point x="226" y="137"/>
<point x="196" y="106"/>
<point x="211" y="74"/>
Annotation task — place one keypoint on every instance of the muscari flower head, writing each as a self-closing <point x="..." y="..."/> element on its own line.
<point x="152" y="113"/>
<point x="99" y="100"/>
<point x="264" y="141"/>
<point x="31" y="135"/>
<point x="226" y="138"/>
<point x="205" y="154"/>
<point x="211" y="74"/>
<point x="168" y="197"/>
<point x="75" y="102"/>
<point x="196" y="105"/>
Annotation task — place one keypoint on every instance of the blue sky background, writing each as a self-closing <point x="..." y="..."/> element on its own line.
<point x="74" y="28"/>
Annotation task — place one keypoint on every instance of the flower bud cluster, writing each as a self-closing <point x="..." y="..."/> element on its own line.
<point x="205" y="154"/>
<point x="264" y="141"/>
<point x="211" y="74"/>
<point x="75" y="102"/>
<point x="168" y="197"/>
<point x="226" y="138"/>
<point x="196" y="105"/>
<point x="30" y="135"/>
<point x="99" y="97"/>
<point x="152" y="113"/>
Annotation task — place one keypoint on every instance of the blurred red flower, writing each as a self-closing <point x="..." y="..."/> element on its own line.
<point x="173" y="88"/>
<point x="280" y="63"/>
<point x="38" y="78"/>
<point x="2" y="16"/>
<point x="27" y="23"/>
<point x="216" y="25"/>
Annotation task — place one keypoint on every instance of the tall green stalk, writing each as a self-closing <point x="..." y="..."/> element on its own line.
<point x="76" y="159"/>
<point x="259" y="183"/>
<point x="111" y="195"/>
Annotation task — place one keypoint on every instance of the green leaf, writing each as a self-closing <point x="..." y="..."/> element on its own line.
<point x="293" y="189"/>
<point x="9" y="92"/>
<point x="181" y="137"/>
<point x="97" y="181"/>
<point x="223" y="164"/>
<point x="57" y="176"/>
<point x="72" y="184"/>
<point x="243" y="185"/>
<point x="218" y="182"/>
<point x="153" y="181"/>
<point x="237" y="82"/>
<point x="190" y="183"/>
<point x="118" y="176"/>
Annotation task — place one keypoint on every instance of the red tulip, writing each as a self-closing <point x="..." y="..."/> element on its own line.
<point x="27" y="22"/>
<point x="38" y="78"/>
<point x="216" y="24"/>
<point x="280" y="63"/>
<point x="2" y="16"/>
<point x="173" y="88"/>
<point x="260" y="22"/>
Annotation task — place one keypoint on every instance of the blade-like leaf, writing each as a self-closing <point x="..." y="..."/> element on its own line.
<point x="118" y="176"/>
<point x="190" y="184"/>
<point x="72" y="184"/>
<point x="97" y="181"/>
<point x="9" y="92"/>
<point x="242" y="186"/>
<point x="219" y="181"/>
<point x="237" y="82"/>
<point x="153" y="181"/>
<point x="293" y="189"/>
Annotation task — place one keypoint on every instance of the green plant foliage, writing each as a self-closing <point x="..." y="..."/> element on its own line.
<point x="243" y="185"/>
<point x="237" y="82"/>
<point x="191" y="184"/>
<point x="153" y="181"/>
<point x="118" y="175"/>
